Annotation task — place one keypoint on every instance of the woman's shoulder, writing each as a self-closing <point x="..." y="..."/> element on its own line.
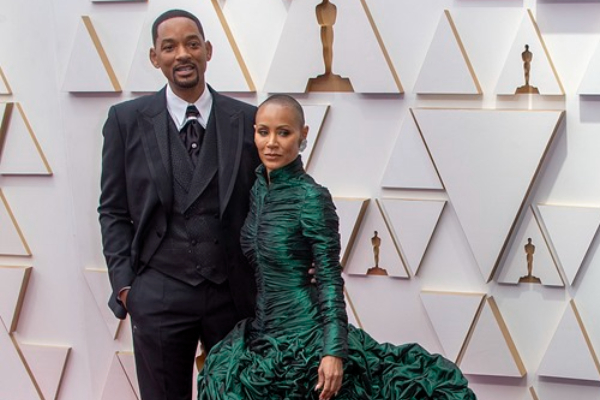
<point x="313" y="190"/>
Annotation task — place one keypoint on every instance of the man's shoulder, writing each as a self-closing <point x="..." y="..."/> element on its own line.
<point x="137" y="103"/>
<point x="222" y="100"/>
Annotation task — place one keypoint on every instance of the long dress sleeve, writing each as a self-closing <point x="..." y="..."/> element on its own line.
<point x="319" y="223"/>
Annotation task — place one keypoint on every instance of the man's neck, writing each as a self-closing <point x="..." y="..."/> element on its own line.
<point x="190" y="95"/>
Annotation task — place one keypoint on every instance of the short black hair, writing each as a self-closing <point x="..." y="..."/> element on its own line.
<point x="287" y="101"/>
<point x="174" y="14"/>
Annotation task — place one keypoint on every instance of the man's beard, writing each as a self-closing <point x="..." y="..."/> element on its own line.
<point x="187" y="84"/>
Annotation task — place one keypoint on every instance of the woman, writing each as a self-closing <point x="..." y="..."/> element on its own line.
<point x="299" y="345"/>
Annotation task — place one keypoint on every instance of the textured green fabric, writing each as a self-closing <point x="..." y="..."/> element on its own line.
<point x="292" y="223"/>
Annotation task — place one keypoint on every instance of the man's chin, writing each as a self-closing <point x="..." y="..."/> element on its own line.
<point x="186" y="84"/>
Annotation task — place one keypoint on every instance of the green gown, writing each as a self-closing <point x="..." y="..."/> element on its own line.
<point x="291" y="224"/>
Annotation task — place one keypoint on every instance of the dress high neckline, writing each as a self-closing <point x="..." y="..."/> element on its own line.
<point x="292" y="170"/>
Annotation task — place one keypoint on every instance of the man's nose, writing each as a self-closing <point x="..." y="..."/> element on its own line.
<point x="182" y="52"/>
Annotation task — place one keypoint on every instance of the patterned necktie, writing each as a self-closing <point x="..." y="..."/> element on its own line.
<point x="192" y="133"/>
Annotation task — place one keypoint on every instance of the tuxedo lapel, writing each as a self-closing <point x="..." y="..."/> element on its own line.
<point x="230" y="139"/>
<point x="206" y="168"/>
<point x="153" y="124"/>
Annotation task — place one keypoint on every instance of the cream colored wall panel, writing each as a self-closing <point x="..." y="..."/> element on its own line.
<point x="413" y="223"/>
<point x="16" y="383"/>
<point x="571" y="231"/>
<point x="89" y="69"/>
<point x="350" y="213"/>
<point x="590" y="84"/>
<point x="226" y="71"/>
<point x="99" y="285"/>
<point x="390" y="310"/>
<point x="353" y="317"/>
<point x="470" y="149"/>
<point x="570" y="354"/>
<point x="4" y="86"/>
<point x="452" y="316"/>
<point x="362" y="257"/>
<point x="13" y="285"/>
<point x="47" y="365"/>
<point x="490" y="349"/>
<point x="410" y="166"/>
<point x="542" y="75"/>
<point x="117" y="384"/>
<point x="127" y="360"/>
<point x="514" y="266"/>
<point x="13" y="241"/>
<point x="20" y="151"/>
<point x="447" y="49"/>
<point x="314" y="116"/>
<point x="291" y="69"/>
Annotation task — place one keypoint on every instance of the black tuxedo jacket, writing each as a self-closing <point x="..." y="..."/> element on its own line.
<point x="137" y="188"/>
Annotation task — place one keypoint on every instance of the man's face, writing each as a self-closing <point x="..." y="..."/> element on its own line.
<point x="181" y="53"/>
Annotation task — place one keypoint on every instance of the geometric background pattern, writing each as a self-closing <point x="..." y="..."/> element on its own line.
<point x="385" y="144"/>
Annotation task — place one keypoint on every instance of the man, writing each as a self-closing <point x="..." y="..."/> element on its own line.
<point x="175" y="188"/>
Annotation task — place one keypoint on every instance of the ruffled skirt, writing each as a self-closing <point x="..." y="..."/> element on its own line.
<point x="246" y="365"/>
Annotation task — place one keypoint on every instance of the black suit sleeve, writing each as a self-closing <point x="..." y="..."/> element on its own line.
<point x="115" y="220"/>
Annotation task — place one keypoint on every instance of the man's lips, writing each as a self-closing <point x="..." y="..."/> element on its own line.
<point x="185" y="69"/>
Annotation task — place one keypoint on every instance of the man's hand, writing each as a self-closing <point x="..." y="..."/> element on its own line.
<point x="123" y="297"/>
<point x="330" y="377"/>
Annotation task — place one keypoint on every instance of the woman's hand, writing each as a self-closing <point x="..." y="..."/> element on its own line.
<point x="330" y="377"/>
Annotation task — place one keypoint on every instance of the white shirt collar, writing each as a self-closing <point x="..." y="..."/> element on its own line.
<point x="177" y="106"/>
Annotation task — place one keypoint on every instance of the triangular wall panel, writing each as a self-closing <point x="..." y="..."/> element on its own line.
<point x="291" y="69"/>
<point x="351" y="311"/>
<point x="413" y="223"/>
<point x="490" y="349"/>
<point x="452" y="316"/>
<point x="89" y="69"/>
<point x="514" y="267"/>
<point x="315" y="117"/>
<point x="16" y="379"/>
<point x="362" y="255"/>
<point x="542" y="74"/>
<point x="117" y="384"/>
<point x="4" y="86"/>
<point x="410" y="166"/>
<point x="470" y="149"/>
<point x="457" y="76"/>
<point x="590" y="84"/>
<point x="350" y="213"/>
<point x="13" y="241"/>
<point x="226" y="71"/>
<point x="13" y="285"/>
<point x="571" y="231"/>
<point x="99" y="284"/>
<point x="127" y="360"/>
<point x="570" y="354"/>
<point x="47" y="365"/>
<point x="20" y="151"/>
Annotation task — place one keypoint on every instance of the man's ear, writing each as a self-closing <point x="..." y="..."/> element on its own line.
<point x="209" y="50"/>
<point x="153" y="58"/>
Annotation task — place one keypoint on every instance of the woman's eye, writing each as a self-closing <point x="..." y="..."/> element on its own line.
<point x="283" y="132"/>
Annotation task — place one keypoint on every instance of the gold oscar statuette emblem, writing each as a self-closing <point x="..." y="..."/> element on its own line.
<point x="527" y="57"/>
<point x="376" y="243"/>
<point x="529" y="278"/>
<point x="328" y="82"/>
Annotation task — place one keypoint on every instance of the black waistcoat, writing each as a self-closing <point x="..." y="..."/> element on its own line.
<point x="192" y="249"/>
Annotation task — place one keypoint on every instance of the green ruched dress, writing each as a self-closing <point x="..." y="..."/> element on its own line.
<point x="291" y="223"/>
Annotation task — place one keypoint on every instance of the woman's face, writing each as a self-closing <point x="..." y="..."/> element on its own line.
<point x="277" y="135"/>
